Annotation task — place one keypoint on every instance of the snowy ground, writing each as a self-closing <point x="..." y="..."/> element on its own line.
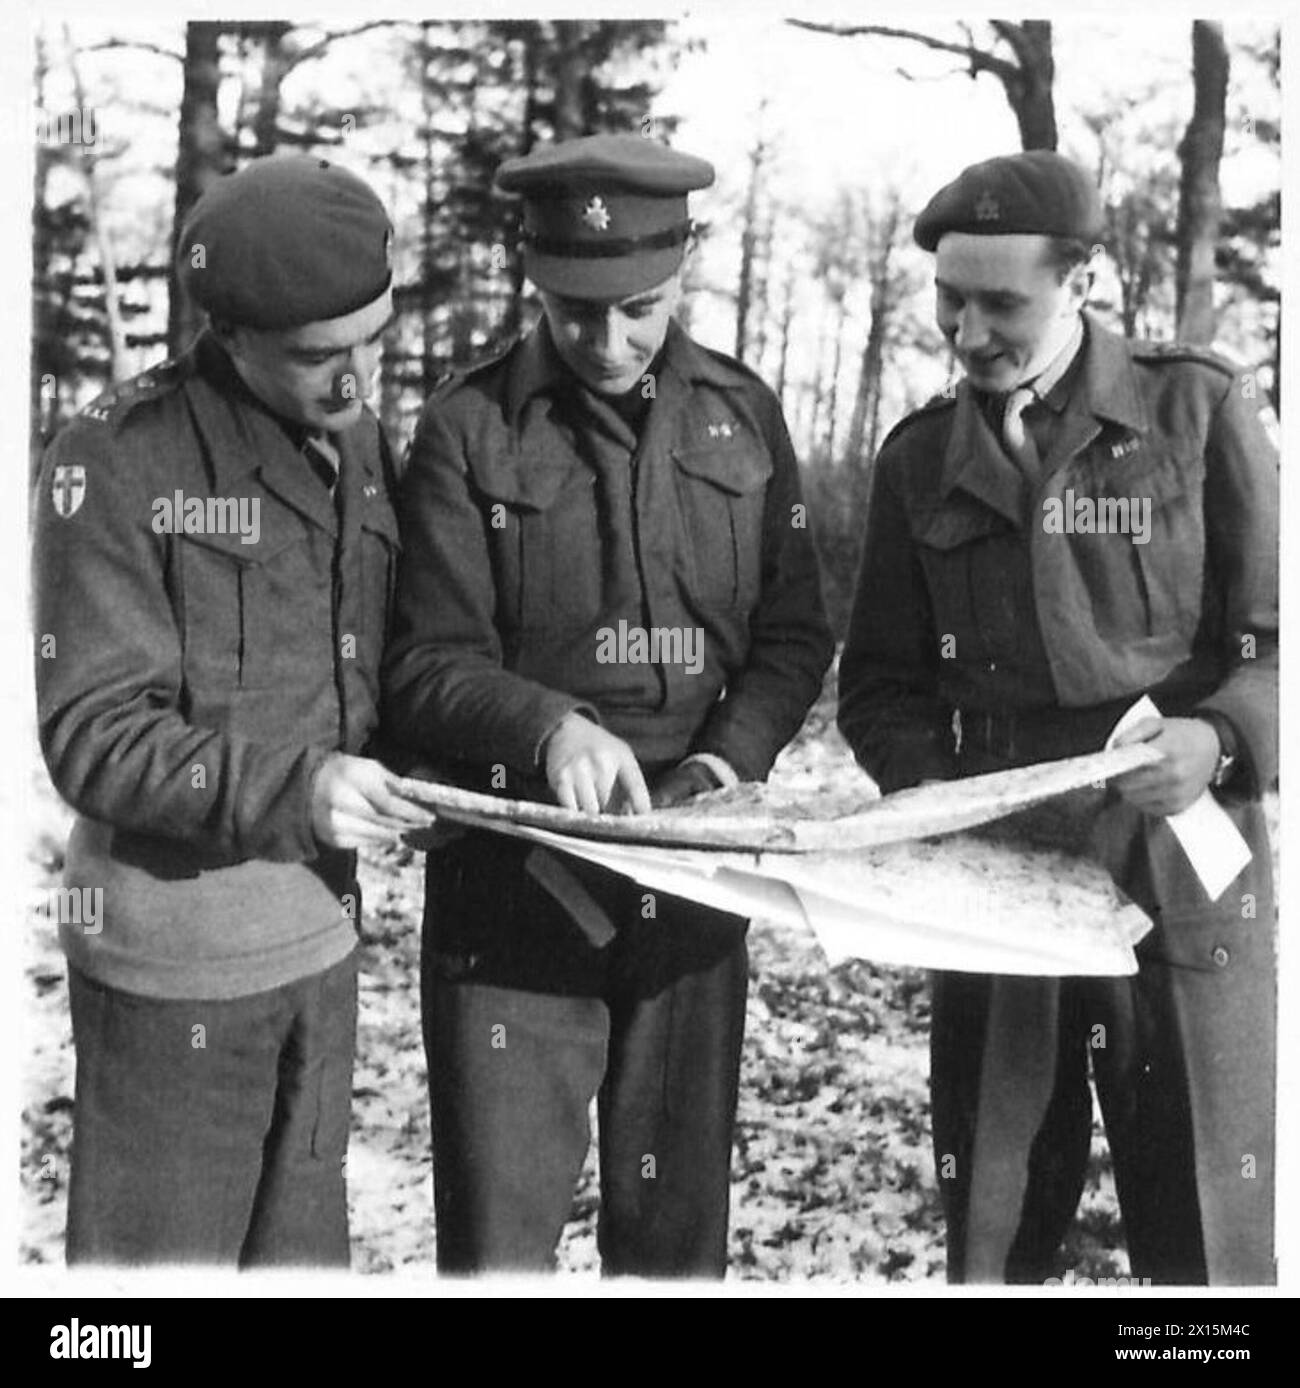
<point x="832" y="1176"/>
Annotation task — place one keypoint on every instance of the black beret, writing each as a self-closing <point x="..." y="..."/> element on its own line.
<point x="1036" y="192"/>
<point x="289" y="239"/>
<point x="605" y="216"/>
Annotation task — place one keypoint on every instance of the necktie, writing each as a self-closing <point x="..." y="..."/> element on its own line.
<point x="324" y="459"/>
<point x="1019" y="441"/>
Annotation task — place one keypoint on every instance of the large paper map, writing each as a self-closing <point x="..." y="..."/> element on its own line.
<point x="752" y="817"/>
<point x="896" y="879"/>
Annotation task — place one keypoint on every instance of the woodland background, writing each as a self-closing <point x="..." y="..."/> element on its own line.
<point x="809" y="277"/>
<point x="822" y="293"/>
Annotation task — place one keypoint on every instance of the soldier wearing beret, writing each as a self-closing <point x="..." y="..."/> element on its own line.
<point x="606" y="480"/>
<point x="997" y="623"/>
<point x="214" y="554"/>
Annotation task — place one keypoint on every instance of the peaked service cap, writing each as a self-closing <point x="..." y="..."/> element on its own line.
<point x="604" y="216"/>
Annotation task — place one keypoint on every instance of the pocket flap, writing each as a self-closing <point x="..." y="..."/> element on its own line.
<point x="735" y="470"/>
<point x="958" y="523"/>
<point x="529" y="475"/>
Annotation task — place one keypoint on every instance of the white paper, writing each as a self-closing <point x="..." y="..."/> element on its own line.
<point x="880" y="905"/>
<point x="1212" y="842"/>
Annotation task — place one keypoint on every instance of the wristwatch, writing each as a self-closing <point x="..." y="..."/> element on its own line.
<point x="1227" y="736"/>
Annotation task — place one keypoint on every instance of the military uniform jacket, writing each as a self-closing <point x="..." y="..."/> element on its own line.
<point x="190" y="684"/>
<point x="968" y="600"/>
<point x="531" y="531"/>
<point x="971" y="597"/>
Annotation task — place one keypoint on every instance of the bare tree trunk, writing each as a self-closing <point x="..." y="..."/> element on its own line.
<point x="276" y="62"/>
<point x="428" y="324"/>
<point x="200" y="158"/>
<point x="1200" y="204"/>
<point x="514" y="317"/>
<point x="836" y="361"/>
<point x="570" y="79"/>
<point x="1029" y="85"/>
<point x="103" y="241"/>
<point x="787" y="319"/>
<point x="748" y="243"/>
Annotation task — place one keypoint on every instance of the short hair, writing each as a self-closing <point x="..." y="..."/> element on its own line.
<point x="1065" y="252"/>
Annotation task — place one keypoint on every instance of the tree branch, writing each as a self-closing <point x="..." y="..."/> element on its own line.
<point x="979" y="59"/>
<point x="315" y="50"/>
<point x="155" y="48"/>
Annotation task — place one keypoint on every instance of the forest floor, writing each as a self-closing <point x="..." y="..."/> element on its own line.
<point x="832" y="1174"/>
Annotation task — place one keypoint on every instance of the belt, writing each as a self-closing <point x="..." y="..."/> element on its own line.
<point x="1030" y="735"/>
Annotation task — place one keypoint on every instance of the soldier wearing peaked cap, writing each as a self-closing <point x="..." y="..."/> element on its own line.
<point x="998" y="622"/>
<point x="607" y="475"/>
<point x="214" y="554"/>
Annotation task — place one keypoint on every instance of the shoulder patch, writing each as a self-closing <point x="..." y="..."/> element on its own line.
<point x="115" y="403"/>
<point x="1147" y="350"/>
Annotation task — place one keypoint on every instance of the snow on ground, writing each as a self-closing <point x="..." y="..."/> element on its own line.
<point x="832" y="1175"/>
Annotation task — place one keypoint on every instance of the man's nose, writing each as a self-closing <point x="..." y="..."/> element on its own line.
<point x="357" y="371"/>
<point x="608" y="335"/>
<point x="971" y="331"/>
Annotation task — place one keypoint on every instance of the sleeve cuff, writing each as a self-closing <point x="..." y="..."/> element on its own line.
<point x="720" y="767"/>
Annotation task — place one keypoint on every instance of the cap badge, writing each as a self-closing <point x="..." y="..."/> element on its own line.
<point x="986" y="208"/>
<point x="1124" y="447"/>
<point x="596" y="214"/>
<point x="721" y="431"/>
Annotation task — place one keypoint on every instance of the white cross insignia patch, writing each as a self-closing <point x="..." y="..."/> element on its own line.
<point x="69" y="490"/>
<point x="596" y="214"/>
<point x="721" y="431"/>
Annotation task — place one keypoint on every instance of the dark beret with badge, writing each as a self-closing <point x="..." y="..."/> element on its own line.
<point x="604" y="216"/>
<point x="287" y="240"/>
<point x="1036" y="192"/>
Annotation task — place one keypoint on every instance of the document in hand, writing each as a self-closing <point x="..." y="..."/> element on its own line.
<point x="887" y="878"/>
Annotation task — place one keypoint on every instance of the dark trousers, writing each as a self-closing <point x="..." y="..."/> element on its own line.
<point x="212" y="1132"/>
<point x="1183" y="1059"/>
<point x="526" y="1019"/>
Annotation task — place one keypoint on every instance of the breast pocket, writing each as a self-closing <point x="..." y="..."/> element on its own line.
<point x="721" y="492"/>
<point x="547" y="558"/>
<point x="1145" y="568"/>
<point x="253" y="613"/>
<point x="978" y="576"/>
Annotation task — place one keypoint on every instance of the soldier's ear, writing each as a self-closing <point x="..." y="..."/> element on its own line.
<point x="1078" y="282"/>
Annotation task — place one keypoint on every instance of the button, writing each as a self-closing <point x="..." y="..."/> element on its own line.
<point x="1220" y="956"/>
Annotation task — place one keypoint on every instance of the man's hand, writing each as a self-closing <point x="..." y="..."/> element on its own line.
<point x="353" y="803"/>
<point x="591" y="770"/>
<point x="1191" y="752"/>
<point x="682" y="782"/>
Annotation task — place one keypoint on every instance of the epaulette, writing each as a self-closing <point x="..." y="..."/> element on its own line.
<point x="492" y="357"/>
<point x="941" y="400"/>
<point x="114" y="404"/>
<point x="739" y="367"/>
<point x="1146" y="349"/>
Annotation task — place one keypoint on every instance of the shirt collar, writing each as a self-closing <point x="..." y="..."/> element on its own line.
<point x="537" y="368"/>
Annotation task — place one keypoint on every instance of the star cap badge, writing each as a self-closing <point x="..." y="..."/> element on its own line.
<point x="596" y="214"/>
<point x="986" y="208"/>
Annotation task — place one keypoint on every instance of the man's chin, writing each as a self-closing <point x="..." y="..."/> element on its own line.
<point x="995" y="375"/>
<point x="334" y="421"/>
